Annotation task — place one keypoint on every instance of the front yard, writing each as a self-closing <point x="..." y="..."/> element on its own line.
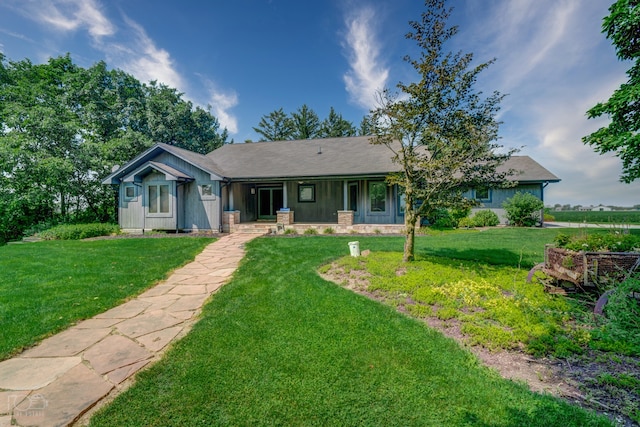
<point x="279" y="345"/>
<point x="46" y="287"/>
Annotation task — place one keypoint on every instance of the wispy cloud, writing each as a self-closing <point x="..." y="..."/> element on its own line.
<point x="68" y="15"/>
<point x="367" y="75"/>
<point x="555" y="64"/>
<point x="221" y="102"/>
<point x="142" y="58"/>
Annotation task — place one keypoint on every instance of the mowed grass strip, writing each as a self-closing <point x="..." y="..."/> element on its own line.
<point x="47" y="286"/>
<point x="280" y="346"/>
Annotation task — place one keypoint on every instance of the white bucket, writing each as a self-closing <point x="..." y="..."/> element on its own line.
<point x="354" y="248"/>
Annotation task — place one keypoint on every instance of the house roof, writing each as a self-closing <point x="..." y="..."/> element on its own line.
<point x="314" y="158"/>
<point x="305" y="158"/>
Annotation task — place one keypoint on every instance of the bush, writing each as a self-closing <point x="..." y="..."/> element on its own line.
<point x="598" y="242"/>
<point x="466" y="222"/>
<point x="329" y="230"/>
<point x="441" y="218"/>
<point x="79" y="231"/>
<point x="290" y="231"/>
<point x="310" y="231"/>
<point x="523" y="209"/>
<point x="486" y="218"/>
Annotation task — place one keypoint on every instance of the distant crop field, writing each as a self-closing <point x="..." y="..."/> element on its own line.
<point x="613" y="217"/>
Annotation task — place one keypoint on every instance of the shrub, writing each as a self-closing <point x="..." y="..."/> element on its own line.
<point x="329" y="230"/>
<point x="441" y="218"/>
<point x="79" y="231"/>
<point x="310" y="231"/>
<point x="466" y="222"/>
<point x="523" y="209"/>
<point x="290" y="231"/>
<point x="486" y="218"/>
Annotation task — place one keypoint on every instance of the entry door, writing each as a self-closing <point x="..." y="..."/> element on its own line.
<point x="269" y="202"/>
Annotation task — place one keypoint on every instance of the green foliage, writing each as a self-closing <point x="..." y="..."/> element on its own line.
<point x="329" y="230"/>
<point x="619" y="218"/>
<point x="495" y="305"/>
<point x="63" y="128"/>
<point x="620" y="330"/>
<point x="46" y="287"/>
<point x="310" y="231"/>
<point x="79" y="231"/>
<point x="599" y="242"/>
<point x="622" y="135"/>
<point x="466" y="222"/>
<point x="290" y="231"/>
<point x="303" y="124"/>
<point x="439" y="129"/>
<point x="485" y="218"/>
<point x="523" y="209"/>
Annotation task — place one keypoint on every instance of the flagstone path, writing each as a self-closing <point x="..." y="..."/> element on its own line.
<point x="54" y="383"/>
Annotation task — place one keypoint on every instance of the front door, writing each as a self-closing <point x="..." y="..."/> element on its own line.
<point x="270" y="201"/>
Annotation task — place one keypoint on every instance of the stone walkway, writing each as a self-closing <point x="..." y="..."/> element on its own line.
<point x="54" y="383"/>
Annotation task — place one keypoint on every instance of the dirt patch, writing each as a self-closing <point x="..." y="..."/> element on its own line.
<point x="577" y="380"/>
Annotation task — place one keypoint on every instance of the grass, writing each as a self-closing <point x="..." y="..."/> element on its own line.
<point x="494" y="304"/>
<point x="278" y="345"/>
<point x="597" y="217"/>
<point x="47" y="286"/>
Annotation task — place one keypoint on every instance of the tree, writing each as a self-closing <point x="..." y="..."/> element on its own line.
<point x="366" y="128"/>
<point x="334" y="126"/>
<point x="306" y="124"/>
<point x="63" y="127"/>
<point x="622" y="135"/>
<point x="275" y="126"/>
<point x="440" y="131"/>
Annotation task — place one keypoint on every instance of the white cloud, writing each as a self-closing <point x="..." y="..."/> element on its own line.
<point x="367" y="75"/>
<point x="68" y="15"/>
<point x="555" y="64"/>
<point x="221" y="102"/>
<point x="142" y="58"/>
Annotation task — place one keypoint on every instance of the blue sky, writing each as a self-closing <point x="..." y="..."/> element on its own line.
<point x="247" y="58"/>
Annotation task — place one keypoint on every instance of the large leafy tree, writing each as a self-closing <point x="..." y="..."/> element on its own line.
<point x="621" y="136"/>
<point x="63" y="127"/>
<point x="441" y="132"/>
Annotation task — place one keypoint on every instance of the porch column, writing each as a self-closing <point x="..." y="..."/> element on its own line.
<point x="345" y="195"/>
<point x="285" y="199"/>
<point x="230" y="189"/>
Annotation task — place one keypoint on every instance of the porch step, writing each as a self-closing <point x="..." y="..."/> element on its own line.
<point x="265" y="228"/>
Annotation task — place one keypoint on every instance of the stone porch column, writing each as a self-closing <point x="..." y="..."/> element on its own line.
<point x="284" y="217"/>
<point x="345" y="218"/>
<point x="230" y="219"/>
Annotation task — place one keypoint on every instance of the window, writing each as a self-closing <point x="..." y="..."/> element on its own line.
<point x="207" y="190"/>
<point x="483" y="194"/>
<point x="378" y="196"/>
<point x="401" y="203"/>
<point x="307" y="193"/>
<point x="129" y="192"/>
<point x="159" y="199"/>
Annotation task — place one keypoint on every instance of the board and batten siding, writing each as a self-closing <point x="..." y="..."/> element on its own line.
<point x="328" y="201"/>
<point x="189" y="209"/>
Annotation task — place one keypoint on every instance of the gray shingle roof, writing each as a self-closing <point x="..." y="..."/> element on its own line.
<point x="329" y="157"/>
<point x="353" y="156"/>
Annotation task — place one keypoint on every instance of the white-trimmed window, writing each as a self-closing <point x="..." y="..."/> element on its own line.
<point x="130" y="192"/>
<point x="159" y="202"/>
<point x="482" y="194"/>
<point x="206" y="192"/>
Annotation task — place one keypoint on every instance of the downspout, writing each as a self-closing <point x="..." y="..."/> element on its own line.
<point x="543" y="186"/>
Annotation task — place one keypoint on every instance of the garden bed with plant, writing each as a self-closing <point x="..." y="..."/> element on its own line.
<point x="552" y="342"/>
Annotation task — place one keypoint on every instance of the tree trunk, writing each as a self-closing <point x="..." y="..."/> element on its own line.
<point x="410" y="232"/>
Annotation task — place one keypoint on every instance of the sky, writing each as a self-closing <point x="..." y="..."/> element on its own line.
<point x="247" y="58"/>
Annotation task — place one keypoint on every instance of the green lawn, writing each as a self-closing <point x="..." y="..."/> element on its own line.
<point x="619" y="218"/>
<point x="278" y="345"/>
<point x="47" y="286"/>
